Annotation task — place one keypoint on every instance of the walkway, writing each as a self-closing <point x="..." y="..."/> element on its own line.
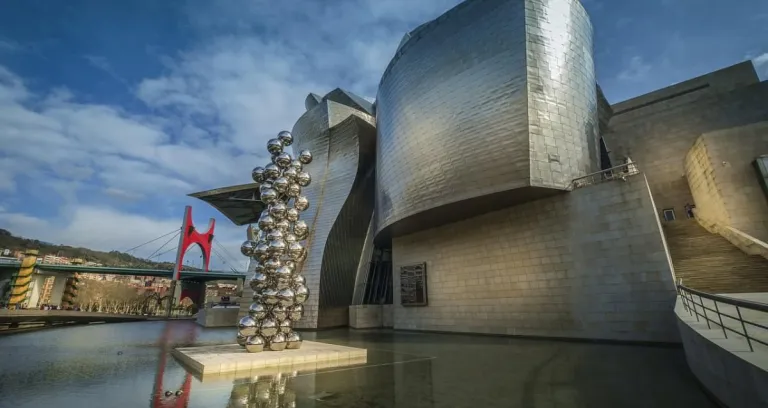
<point x="28" y="319"/>
<point x="79" y="366"/>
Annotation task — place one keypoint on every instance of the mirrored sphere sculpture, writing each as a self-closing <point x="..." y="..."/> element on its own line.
<point x="279" y="248"/>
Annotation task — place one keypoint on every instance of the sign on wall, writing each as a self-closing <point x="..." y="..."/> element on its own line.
<point x="413" y="285"/>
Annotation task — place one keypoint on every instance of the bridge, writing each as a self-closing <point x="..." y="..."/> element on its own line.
<point x="198" y="276"/>
<point x="28" y="276"/>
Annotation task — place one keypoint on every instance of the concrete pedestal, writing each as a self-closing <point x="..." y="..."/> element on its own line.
<point x="230" y="358"/>
<point x="218" y="317"/>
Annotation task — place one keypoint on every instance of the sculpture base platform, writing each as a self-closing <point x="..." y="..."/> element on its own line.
<point x="231" y="358"/>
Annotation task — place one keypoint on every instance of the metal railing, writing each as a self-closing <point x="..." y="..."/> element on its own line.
<point x="722" y="304"/>
<point x="620" y="172"/>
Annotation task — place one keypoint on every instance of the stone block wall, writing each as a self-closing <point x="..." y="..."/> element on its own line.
<point x="657" y="130"/>
<point x="588" y="264"/>
<point x="723" y="181"/>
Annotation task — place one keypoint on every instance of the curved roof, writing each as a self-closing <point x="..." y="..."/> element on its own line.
<point x="238" y="203"/>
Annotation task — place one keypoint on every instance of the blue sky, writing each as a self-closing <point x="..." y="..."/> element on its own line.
<point x="112" y="111"/>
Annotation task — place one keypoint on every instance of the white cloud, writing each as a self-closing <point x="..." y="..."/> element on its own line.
<point x="106" y="229"/>
<point x="761" y="64"/>
<point x="209" y="115"/>
<point x="636" y="70"/>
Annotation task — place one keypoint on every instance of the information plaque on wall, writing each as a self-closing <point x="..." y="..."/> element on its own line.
<point x="413" y="285"/>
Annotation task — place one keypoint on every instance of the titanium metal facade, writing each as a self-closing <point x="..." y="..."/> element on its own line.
<point x="474" y="117"/>
<point x="340" y="132"/>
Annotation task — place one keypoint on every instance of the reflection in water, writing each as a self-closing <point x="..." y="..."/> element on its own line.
<point x="265" y="391"/>
<point x="179" y="398"/>
<point x="128" y="365"/>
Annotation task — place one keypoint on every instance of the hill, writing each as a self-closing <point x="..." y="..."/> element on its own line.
<point x="112" y="258"/>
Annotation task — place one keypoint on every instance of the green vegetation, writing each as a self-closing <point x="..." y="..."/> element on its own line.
<point x="112" y="258"/>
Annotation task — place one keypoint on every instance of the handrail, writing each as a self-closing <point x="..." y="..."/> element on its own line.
<point x="612" y="173"/>
<point x="692" y="307"/>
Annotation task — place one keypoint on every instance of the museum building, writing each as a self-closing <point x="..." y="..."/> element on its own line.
<point x="491" y="187"/>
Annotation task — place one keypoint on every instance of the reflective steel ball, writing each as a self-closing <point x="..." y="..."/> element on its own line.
<point x="301" y="229"/>
<point x="290" y="264"/>
<point x="302" y="293"/>
<point x="293" y="190"/>
<point x="298" y="280"/>
<point x="258" y="281"/>
<point x="265" y="186"/>
<point x="269" y="297"/>
<point x="293" y="340"/>
<point x="305" y="157"/>
<point x="277" y="247"/>
<point x="261" y="251"/>
<point x="295" y="249"/>
<point x="266" y="222"/>
<point x="274" y="146"/>
<point x="271" y="265"/>
<point x="284" y="326"/>
<point x="281" y="184"/>
<point x="257" y="311"/>
<point x="268" y="327"/>
<point x="295" y="312"/>
<point x="271" y="171"/>
<point x="283" y="160"/>
<point x="290" y="173"/>
<point x="275" y="234"/>
<point x="292" y="214"/>
<point x="269" y="196"/>
<point x="290" y="237"/>
<point x="277" y="210"/>
<point x="241" y="339"/>
<point x="286" y="297"/>
<point x="258" y="174"/>
<point x="255" y="344"/>
<point x="248" y="248"/>
<point x="296" y="165"/>
<point x="303" y="179"/>
<point x="247" y="326"/>
<point x="301" y="203"/>
<point x="283" y="272"/>
<point x="277" y="343"/>
<point x="280" y="312"/>
<point x="283" y="226"/>
<point x="286" y="137"/>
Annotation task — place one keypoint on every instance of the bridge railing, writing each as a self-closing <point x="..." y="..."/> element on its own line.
<point x="737" y="318"/>
<point x="620" y="172"/>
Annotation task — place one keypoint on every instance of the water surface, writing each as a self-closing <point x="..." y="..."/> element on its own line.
<point x="128" y="365"/>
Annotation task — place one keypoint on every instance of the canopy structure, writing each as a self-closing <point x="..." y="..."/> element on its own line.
<point x="238" y="203"/>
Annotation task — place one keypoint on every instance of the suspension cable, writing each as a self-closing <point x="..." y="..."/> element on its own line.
<point x="178" y="230"/>
<point x="223" y="260"/>
<point x="231" y="258"/>
<point x="163" y="246"/>
<point x="165" y="252"/>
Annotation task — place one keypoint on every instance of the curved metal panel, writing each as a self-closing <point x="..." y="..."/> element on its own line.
<point x="562" y="95"/>
<point x="341" y="140"/>
<point x="479" y="102"/>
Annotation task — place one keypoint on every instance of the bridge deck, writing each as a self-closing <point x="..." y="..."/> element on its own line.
<point x="108" y="270"/>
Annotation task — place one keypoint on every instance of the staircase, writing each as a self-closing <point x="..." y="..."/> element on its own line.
<point x="708" y="262"/>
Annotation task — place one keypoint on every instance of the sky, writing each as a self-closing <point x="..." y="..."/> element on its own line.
<point x="111" y="112"/>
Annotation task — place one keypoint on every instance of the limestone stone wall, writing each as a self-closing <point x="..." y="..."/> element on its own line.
<point x="658" y="129"/>
<point x="588" y="264"/>
<point x="724" y="183"/>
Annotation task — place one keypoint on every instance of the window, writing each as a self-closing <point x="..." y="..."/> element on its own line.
<point x="669" y="214"/>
